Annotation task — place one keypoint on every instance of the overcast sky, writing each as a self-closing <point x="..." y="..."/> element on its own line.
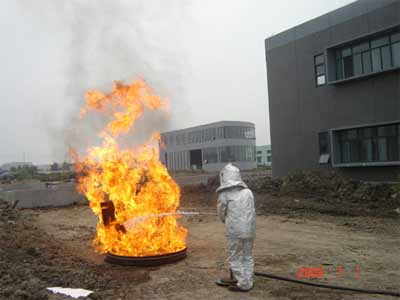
<point x="206" y="56"/>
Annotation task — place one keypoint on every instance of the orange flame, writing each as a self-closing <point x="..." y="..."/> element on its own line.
<point x="134" y="179"/>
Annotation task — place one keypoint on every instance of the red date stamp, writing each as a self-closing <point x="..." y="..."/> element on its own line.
<point x="319" y="272"/>
<point x="304" y="272"/>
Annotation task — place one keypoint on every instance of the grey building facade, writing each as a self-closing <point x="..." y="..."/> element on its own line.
<point x="334" y="92"/>
<point x="209" y="147"/>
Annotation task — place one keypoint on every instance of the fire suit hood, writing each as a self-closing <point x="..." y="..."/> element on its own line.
<point x="229" y="177"/>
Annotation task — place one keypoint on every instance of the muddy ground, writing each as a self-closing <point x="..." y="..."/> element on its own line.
<point x="304" y="221"/>
<point x="52" y="247"/>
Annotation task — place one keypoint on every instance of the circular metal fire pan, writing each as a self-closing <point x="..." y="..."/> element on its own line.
<point x="145" y="261"/>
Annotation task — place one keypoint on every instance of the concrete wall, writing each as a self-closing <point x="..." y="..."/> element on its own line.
<point x="299" y="110"/>
<point x="61" y="195"/>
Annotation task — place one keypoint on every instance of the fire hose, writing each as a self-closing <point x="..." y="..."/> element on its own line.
<point x="328" y="286"/>
<point x="130" y="224"/>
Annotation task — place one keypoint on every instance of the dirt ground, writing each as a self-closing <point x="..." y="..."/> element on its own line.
<point x="52" y="247"/>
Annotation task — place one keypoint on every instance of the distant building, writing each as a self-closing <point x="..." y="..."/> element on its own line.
<point x="264" y="156"/>
<point x="209" y="147"/>
<point x="9" y="166"/>
<point x="50" y="168"/>
<point x="334" y="92"/>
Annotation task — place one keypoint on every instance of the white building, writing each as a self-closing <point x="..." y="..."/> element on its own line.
<point x="209" y="147"/>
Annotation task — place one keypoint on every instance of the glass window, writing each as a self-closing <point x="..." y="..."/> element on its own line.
<point x="249" y="153"/>
<point x="367" y="150"/>
<point x="376" y="55"/>
<point x="380" y="42"/>
<point x="345" y="152"/>
<point x="237" y="153"/>
<point x="368" y="132"/>
<point x="236" y="132"/>
<point x="352" y="134"/>
<point x="339" y="69"/>
<point x="319" y="59"/>
<point x="396" y="54"/>
<point x="386" y="57"/>
<point x="354" y="151"/>
<point x="321" y="80"/>
<point x="323" y="142"/>
<point x="376" y="60"/>
<point x="366" y="58"/>
<point x="249" y="133"/>
<point x="346" y="52"/>
<point x="382" y="149"/>
<point x="210" y="155"/>
<point x="229" y="132"/>
<point x="388" y="130"/>
<point x="320" y="70"/>
<point x="369" y="144"/>
<point x="348" y="66"/>
<point x="206" y="134"/>
<point x="227" y="154"/>
<point x="214" y="133"/>
<point x="395" y="37"/>
<point x="357" y="61"/>
<point x="361" y="47"/>
<point x="392" y="149"/>
<point x="324" y="148"/>
<point x="324" y="158"/>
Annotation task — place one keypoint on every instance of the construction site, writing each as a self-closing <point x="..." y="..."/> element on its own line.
<point x="346" y="233"/>
<point x="151" y="160"/>
<point x="123" y="227"/>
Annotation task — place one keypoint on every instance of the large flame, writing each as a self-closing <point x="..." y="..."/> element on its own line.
<point x="134" y="179"/>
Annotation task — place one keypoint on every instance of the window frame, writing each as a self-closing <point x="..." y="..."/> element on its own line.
<point x="336" y="58"/>
<point x="316" y="65"/>
<point x="237" y="153"/>
<point x="324" y="155"/>
<point x="336" y="156"/>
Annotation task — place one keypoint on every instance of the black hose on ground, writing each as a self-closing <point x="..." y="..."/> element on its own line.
<point x="328" y="286"/>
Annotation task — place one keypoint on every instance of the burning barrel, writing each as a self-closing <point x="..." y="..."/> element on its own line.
<point x="145" y="261"/>
<point x="108" y="216"/>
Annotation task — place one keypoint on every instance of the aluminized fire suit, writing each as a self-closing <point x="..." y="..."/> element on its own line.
<point x="236" y="210"/>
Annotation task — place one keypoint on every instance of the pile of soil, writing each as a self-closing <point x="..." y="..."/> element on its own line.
<point x="329" y="192"/>
<point x="318" y="191"/>
<point x="325" y="184"/>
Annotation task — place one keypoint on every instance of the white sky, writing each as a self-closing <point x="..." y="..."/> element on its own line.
<point x="206" y="56"/>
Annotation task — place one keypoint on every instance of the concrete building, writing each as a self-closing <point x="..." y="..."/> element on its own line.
<point x="209" y="147"/>
<point x="334" y="92"/>
<point x="264" y="156"/>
